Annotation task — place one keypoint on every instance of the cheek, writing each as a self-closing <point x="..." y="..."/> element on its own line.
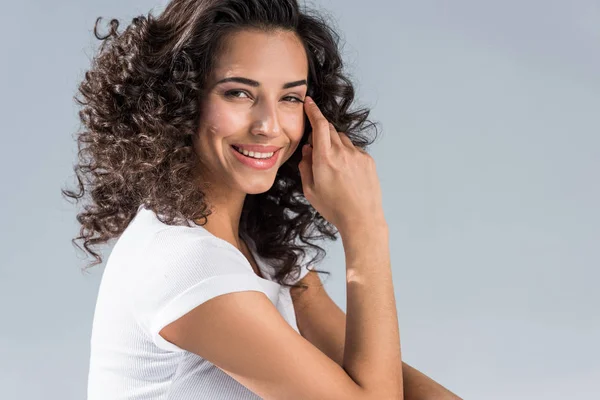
<point x="220" y="122"/>
<point x="295" y="127"/>
<point x="294" y="130"/>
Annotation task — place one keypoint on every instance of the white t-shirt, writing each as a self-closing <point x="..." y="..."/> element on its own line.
<point x="155" y="274"/>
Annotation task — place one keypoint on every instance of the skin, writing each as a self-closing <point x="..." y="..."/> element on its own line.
<point x="323" y="324"/>
<point x="264" y="115"/>
<point x="268" y="114"/>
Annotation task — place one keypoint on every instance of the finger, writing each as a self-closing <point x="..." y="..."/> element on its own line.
<point x="321" y="137"/>
<point x="346" y="140"/>
<point x="335" y="137"/>
<point x="305" y="168"/>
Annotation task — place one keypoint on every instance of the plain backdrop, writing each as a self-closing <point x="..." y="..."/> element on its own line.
<point x="489" y="160"/>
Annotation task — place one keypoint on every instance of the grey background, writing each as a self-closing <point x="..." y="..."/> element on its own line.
<point x="489" y="165"/>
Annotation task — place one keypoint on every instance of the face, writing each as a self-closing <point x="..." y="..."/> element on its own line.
<point x="253" y="98"/>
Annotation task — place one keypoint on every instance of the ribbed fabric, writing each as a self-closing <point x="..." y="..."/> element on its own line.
<point x="155" y="274"/>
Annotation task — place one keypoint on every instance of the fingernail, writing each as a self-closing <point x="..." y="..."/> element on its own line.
<point x="309" y="100"/>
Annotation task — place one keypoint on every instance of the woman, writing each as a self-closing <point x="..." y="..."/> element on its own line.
<point x="197" y="156"/>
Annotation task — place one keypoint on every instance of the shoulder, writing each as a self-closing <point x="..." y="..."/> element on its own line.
<point x="154" y="235"/>
<point x="161" y="257"/>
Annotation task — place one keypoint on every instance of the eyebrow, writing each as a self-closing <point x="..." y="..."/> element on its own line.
<point x="251" y="82"/>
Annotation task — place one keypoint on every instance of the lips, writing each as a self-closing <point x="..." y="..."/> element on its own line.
<point x="257" y="163"/>
<point x="256" y="147"/>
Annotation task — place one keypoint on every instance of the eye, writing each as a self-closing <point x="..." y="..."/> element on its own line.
<point x="295" y="99"/>
<point x="232" y="93"/>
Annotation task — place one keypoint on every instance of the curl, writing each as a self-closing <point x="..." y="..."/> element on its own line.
<point x="139" y="109"/>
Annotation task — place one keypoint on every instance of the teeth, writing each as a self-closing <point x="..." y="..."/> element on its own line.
<point x="254" y="154"/>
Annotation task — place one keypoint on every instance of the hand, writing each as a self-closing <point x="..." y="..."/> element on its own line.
<point x="338" y="179"/>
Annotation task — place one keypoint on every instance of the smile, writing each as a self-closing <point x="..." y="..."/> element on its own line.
<point x="254" y="154"/>
<point x="260" y="161"/>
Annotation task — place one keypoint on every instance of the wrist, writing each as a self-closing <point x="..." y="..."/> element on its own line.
<point x="364" y="230"/>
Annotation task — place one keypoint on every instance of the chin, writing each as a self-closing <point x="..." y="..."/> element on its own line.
<point x="257" y="186"/>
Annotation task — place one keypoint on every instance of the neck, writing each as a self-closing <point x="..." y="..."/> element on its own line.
<point x="224" y="220"/>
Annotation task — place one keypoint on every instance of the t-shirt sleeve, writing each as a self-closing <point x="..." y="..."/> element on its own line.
<point x="182" y="270"/>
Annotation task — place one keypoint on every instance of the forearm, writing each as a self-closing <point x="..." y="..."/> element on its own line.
<point x="418" y="386"/>
<point x="372" y="344"/>
<point x="322" y="322"/>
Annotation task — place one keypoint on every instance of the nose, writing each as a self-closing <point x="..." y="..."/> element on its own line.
<point x="266" y="119"/>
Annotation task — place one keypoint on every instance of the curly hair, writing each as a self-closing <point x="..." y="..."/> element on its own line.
<point x="139" y="110"/>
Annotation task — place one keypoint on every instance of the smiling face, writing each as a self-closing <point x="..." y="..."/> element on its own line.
<point x="253" y="97"/>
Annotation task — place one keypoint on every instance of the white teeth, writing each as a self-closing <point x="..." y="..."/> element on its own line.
<point x="254" y="154"/>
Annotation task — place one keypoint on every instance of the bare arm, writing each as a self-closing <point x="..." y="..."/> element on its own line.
<point x="271" y="359"/>
<point x="372" y="354"/>
<point x="264" y="353"/>
<point x="323" y="323"/>
<point x="419" y="386"/>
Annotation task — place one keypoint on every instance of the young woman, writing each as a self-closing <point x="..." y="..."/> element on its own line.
<point x="204" y="153"/>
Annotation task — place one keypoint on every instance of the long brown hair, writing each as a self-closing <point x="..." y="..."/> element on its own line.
<point x="139" y="109"/>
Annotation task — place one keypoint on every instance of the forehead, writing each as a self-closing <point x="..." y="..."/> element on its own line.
<point x="266" y="57"/>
